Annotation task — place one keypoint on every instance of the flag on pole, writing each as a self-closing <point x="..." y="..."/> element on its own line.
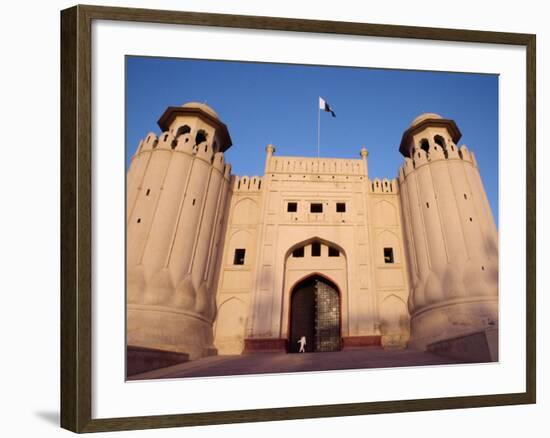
<point x="325" y="106"/>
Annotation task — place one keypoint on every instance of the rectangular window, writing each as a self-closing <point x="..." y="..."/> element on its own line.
<point x="238" y="259"/>
<point x="333" y="252"/>
<point x="292" y="207"/>
<point x="315" y="249"/>
<point x="340" y="207"/>
<point x="316" y="208"/>
<point x="388" y="255"/>
<point x="298" y="252"/>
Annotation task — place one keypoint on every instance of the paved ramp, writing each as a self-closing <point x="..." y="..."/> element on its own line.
<point x="270" y="363"/>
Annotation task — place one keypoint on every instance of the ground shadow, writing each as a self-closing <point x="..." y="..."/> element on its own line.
<point x="51" y="417"/>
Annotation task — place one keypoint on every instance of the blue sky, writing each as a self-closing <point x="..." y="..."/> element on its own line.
<point x="277" y="103"/>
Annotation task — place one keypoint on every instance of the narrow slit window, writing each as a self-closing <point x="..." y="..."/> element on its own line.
<point x="292" y="207"/>
<point x="298" y="252"/>
<point x="316" y="208"/>
<point x="139" y="220"/>
<point x="315" y="249"/>
<point x="238" y="259"/>
<point x="340" y="207"/>
<point x="388" y="255"/>
<point x="333" y="252"/>
<point x="147" y="192"/>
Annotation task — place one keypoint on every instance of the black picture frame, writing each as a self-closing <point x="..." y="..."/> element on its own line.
<point x="76" y="217"/>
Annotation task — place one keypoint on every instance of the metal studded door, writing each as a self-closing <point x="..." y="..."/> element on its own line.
<point x="327" y="318"/>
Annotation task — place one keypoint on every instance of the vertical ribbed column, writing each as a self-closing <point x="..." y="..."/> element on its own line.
<point x="215" y="259"/>
<point x="447" y="206"/>
<point x="148" y="193"/>
<point x="160" y="284"/>
<point x="433" y="231"/>
<point x="409" y="246"/>
<point x="136" y="172"/>
<point x="482" y="268"/>
<point x="205" y="303"/>
<point x="185" y="237"/>
<point x="417" y="236"/>
<point x="131" y="177"/>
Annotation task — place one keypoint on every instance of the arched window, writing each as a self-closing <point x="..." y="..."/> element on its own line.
<point x="441" y="142"/>
<point x="425" y="145"/>
<point x="200" y="137"/>
<point x="183" y="130"/>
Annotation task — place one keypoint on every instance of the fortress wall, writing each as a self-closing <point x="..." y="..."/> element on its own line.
<point x="210" y="256"/>
<point x="391" y="282"/>
<point x="329" y="182"/>
<point x="234" y="283"/>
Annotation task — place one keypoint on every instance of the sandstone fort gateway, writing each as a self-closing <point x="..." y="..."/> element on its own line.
<point x="223" y="264"/>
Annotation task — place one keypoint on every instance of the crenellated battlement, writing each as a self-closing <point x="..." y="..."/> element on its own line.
<point x="184" y="142"/>
<point x="323" y="166"/>
<point x="421" y="157"/>
<point x="204" y="151"/>
<point x="148" y="143"/>
<point x="227" y="171"/>
<point x="384" y="185"/>
<point x="218" y="161"/>
<point x="246" y="183"/>
<point x="467" y="155"/>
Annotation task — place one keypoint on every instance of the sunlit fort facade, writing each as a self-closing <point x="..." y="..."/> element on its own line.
<point x="225" y="264"/>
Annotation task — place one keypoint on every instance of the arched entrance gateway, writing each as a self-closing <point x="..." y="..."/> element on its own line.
<point x="315" y="314"/>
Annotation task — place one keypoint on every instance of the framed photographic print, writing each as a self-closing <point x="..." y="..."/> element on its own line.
<point x="303" y="218"/>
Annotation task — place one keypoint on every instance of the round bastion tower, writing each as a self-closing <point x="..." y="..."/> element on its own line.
<point x="177" y="187"/>
<point x="450" y="235"/>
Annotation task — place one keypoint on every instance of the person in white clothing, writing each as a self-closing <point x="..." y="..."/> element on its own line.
<point x="302" y="343"/>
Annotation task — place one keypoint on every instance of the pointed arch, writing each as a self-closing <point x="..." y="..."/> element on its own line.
<point x="230" y="326"/>
<point x="315" y="311"/>
<point x="312" y="239"/>
<point x="425" y="145"/>
<point x="245" y="211"/>
<point x="385" y="213"/>
<point x="439" y="140"/>
<point x="393" y="313"/>
<point x="184" y="129"/>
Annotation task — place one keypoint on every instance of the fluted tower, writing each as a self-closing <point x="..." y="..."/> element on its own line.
<point x="177" y="186"/>
<point x="450" y="235"/>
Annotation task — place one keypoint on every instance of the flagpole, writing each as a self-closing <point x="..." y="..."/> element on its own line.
<point x="318" y="128"/>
